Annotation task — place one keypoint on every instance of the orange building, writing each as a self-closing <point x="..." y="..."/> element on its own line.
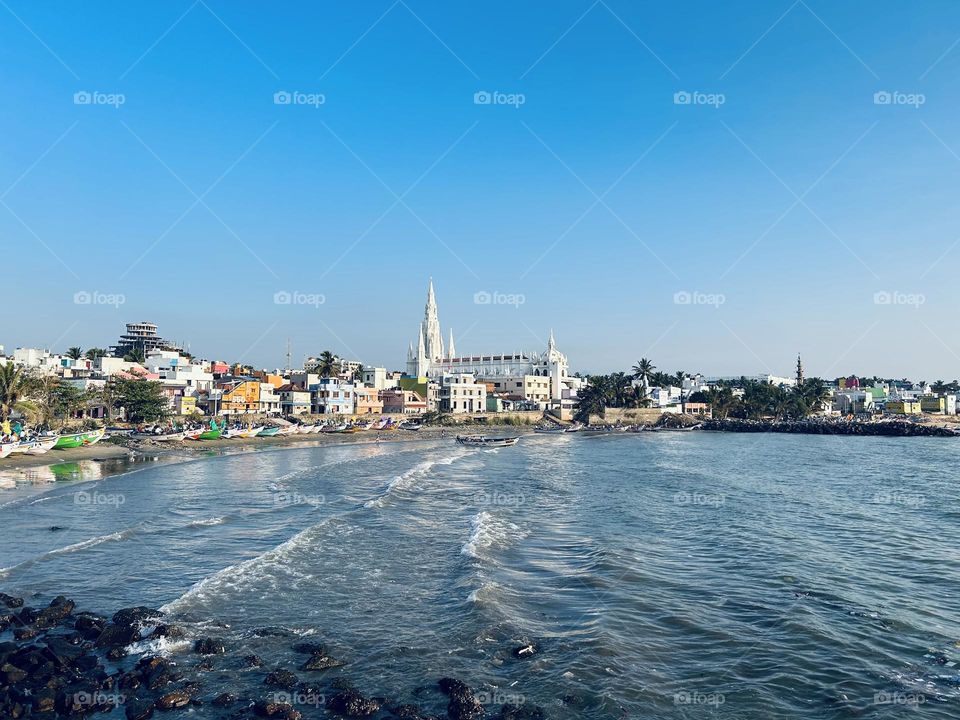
<point x="240" y="396"/>
<point x="368" y="401"/>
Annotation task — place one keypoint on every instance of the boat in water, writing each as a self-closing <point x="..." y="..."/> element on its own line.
<point x="482" y="441"/>
<point x="80" y="439"/>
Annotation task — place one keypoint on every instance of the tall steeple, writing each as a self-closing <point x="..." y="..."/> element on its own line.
<point x="451" y="350"/>
<point x="799" y="371"/>
<point x="433" y="341"/>
<point x="551" y="344"/>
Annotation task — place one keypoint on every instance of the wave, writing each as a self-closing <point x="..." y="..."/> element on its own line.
<point x="488" y="531"/>
<point x="208" y="522"/>
<point x="67" y="549"/>
<point x="233" y="575"/>
<point x="407" y="479"/>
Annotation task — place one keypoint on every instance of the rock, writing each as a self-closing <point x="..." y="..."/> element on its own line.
<point x="282" y="679"/>
<point x="351" y="703"/>
<point x="28" y="615"/>
<point x="6" y="620"/>
<point x="209" y="646"/>
<point x="116" y="653"/>
<point x="265" y="709"/>
<point x="117" y="635"/>
<point x="135" y="615"/>
<point x="168" y="631"/>
<point x="11" y="675"/>
<point x="463" y="704"/>
<point x="252" y="660"/>
<point x="55" y="528"/>
<point x="44" y="701"/>
<point x="89" y="626"/>
<point x="10" y="601"/>
<point x="525" y="651"/>
<point x="224" y="699"/>
<point x="321" y="661"/>
<point x="409" y="712"/>
<point x="205" y="665"/>
<point x="521" y="712"/>
<point x="25" y="633"/>
<point x="174" y="699"/>
<point x="138" y="709"/>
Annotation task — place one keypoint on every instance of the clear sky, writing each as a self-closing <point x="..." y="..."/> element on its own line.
<point x="785" y="207"/>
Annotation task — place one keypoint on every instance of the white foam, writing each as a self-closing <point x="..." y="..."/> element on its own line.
<point x="208" y="522"/>
<point x="408" y="479"/>
<point x="487" y="531"/>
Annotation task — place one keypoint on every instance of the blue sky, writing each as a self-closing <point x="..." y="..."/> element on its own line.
<point x="789" y="207"/>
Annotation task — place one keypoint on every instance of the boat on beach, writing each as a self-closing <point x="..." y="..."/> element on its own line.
<point x="6" y="449"/>
<point x="483" y="441"/>
<point x="80" y="439"/>
<point x="268" y="432"/>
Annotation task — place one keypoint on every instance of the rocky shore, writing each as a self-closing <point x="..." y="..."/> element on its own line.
<point x="58" y="661"/>
<point x="893" y="428"/>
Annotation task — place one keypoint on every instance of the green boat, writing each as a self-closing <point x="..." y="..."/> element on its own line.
<point x="268" y="432"/>
<point x="214" y="432"/>
<point x="80" y="439"/>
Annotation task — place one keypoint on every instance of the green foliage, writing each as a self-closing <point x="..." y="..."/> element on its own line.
<point x="328" y="364"/>
<point x="75" y="353"/>
<point x="14" y="385"/>
<point x="142" y="400"/>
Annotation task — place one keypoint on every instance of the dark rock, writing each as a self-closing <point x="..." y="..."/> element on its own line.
<point x="62" y="648"/>
<point x="209" y="646"/>
<point x="6" y="620"/>
<point x="409" y="712"/>
<point x="129" y="681"/>
<point x="25" y="633"/>
<point x="10" y="601"/>
<point x="463" y="704"/>
<point x="116" y="653"/>
<point x="351" y="703"/>
<point x="135" y="615"/>
<point x="205" y="665"/>
<point x="321" y="661"/>
<point x="170" y="631"/>
<point x="28" y="615"/>
<point x="85" y="663"/>
<point x="151" y="663"/>
<point x="55" y="528"/>
<point x="173" y="699"/>
<point x="11" y="674"/>
<point x="118" y="635"/>
<point x="265" y="709"/>
<point x="511" y="711"/>
<point x="138" y="709"/>
<point x="89" y="626"/>
<point x="44" y="701"/>
<point x="525" y="651"/>
<point x="282" y="679"/>
<point x="252" y="660"/>
<point x="309" y="648"/>
<point x="224" y="699"/>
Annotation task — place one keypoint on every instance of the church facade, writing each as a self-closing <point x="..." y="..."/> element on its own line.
<point x="430" y="358"/>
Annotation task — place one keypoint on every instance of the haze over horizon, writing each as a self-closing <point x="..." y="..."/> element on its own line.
<point x="714" y="188"/>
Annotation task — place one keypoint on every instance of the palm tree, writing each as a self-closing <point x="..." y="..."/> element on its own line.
<point x="813" y="395"/>
<point x="679" y="377"/>
<point x="14" y="385"/>
<point x="593" y="399"/>
<point x="642" y="370"/>
<point x="722" y="401"/>
<point x="638" y="397"/>
<point x="75" y="353"/>
<point x="358" y="374"/>
<point x="94" y="353"/>
<point x="135" y="355"/>
<point x="328" y="364"/>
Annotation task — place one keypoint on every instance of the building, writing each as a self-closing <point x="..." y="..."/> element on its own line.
<point x="294" y="400"/>
<point x="903" y="407"/>
<point x="140" y="336"/>
<point x="431" y="359"/>
<point x="367" y="401"/>
<point x="378" y="378"/>
<point x="268" y="402"/>
<point x="461" y="393"/>
<point x="402" y="402"/>
<point x="332" y="396"/>
<point x="239" y="396"/>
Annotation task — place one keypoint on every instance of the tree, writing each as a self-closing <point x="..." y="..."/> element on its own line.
<point x="638" y="397"/>
<point x="593" y="398"/>
<point x="722" y="401"/>
<point x="75" y="353"/>
<point x="642" y="370"/>
<point x="14" y="387"/>
<point x="358" y="374"/>
<point x="96" y="353"/>
<point x="65" y="399"/>
<point x="813" y="395"/>
<point x="136" y="355"/>
<point x="142" y="400"/>
<point x="679" y="377"/>
<point x="327" y="365"/>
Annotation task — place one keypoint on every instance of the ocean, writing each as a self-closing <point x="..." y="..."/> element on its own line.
<point x="655" y="575"/>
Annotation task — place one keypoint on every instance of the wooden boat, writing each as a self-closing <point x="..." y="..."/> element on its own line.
<point x="43" y="444"/>
<point x="210" y="434"/>
<point x="268" y="432"/>
<point x="481" y="441"/>
<point x="80" y="439"/>
<point x="22" y="446"/>
<point x="249" y="432"/>
<point x="549" y="430"/>
<point x="289" y="430"/>
<point x="6" y="449"/>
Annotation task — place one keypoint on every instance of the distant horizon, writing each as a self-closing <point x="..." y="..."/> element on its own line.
<point x="709" y="186"/>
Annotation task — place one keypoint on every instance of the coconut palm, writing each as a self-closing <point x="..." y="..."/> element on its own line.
<point x="593" y="399"/>
<point x="642" y="370"/>
<point x="328" y="364"/>
<point x="136" y="355"/>
<point x="75" y="353"/>
<point x="14" y="386"/>
<point x="94" y="353"/>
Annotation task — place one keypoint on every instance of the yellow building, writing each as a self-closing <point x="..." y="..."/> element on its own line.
<point x="903" y="407"/>
<point x="933" y="404"/>
<point x="367" y="401"/>
<point x="240" y="396"/>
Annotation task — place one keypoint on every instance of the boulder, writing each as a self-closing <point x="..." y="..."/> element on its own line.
<point x="282" y="679"/>
<point x="266" y="709"/>
<point x="463" y="703"/>
<point x="321" y="661"/>
<point x="10" y="601"/>
<point x="135" y="615"/>
<point x="350" y="703"/>
<point x="224" y="699"/>
<point x="209" y="646"/>
<point x="137" y="709"/>
<point x="174" y="699"/>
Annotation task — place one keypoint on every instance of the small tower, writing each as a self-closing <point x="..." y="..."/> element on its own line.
<point x="799" y="371"/>
<point x="451" y="350"/>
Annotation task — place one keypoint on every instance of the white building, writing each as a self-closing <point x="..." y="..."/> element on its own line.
<point x="432" y="360"/>
<point x="332" y="396"/>
<point x="461" y="393"/>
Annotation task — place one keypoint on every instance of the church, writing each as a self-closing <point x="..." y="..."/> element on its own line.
<point x="540" y="376"/>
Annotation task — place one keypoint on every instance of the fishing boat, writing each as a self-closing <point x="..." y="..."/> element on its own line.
<point x="316" y="428"/>
<point x="80" y="439"/>
<point x="268" y="432"/>
<point x="250" y="431"/>
<point x="289" y="430"/>
<point x="410" y="425"/>
<point x="42" y="444"/>
<point x="210" y="434"/>
<point x="556" y="430"/>
<point x="6" y="449"/>
<point x="482" y="441"/>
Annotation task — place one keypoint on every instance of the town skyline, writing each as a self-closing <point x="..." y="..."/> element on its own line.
<point x="710" y="201"/>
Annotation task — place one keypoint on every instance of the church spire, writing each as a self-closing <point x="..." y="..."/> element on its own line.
<point x="799" y="371"/>
<point x="551" y="344"/>
<point x="451" y="350"/>
<point x="433" y="342"/>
